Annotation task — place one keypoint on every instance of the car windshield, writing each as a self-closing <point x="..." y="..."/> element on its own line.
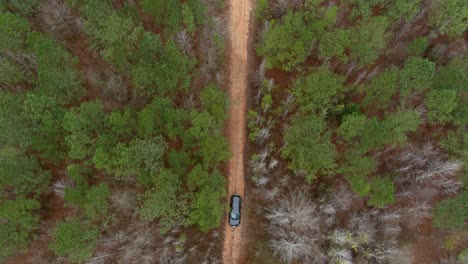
<point x="234" y="216"/>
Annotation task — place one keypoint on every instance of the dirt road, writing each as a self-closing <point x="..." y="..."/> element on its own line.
<point x="239" y="15"/>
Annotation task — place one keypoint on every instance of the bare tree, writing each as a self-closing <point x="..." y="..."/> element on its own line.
<point x="58" y="19"/>
<point x="184" y="41"/>
<point x="427" y="166"/>
<point x="295" y="229"/>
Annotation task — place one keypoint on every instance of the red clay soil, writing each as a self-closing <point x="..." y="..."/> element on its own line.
<point x="239" y="21"/>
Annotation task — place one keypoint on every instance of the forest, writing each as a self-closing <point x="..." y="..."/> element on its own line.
<point x="358" y="126"/>
<point x="112" y="138"/>
<point x="114" y="149"/>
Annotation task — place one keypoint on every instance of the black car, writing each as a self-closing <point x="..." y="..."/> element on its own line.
<point x="235" y="214"/>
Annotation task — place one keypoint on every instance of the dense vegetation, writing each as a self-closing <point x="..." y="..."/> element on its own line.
<point x="112" y="114"/>
<point x="360" y="121"/>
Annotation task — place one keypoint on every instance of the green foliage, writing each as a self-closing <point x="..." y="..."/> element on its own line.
<point x="381" y="88"/>
<point x="254" y="119"/>
<point x="74" y="239"/>
<point x="189" y="21"/>
<point x="209" y="189"/>
<point x="360" y="185"/>
<point x="179" y="161"/>
<point x="172" y="13"/>
<point x="122" y="122"/>
<point x="91" y="200"/>
<point x="309" y="147"/>
<point x="319" y="90"/>
<point x="449" y="16"/>
<point x="334" y="43"/>
<point x="368" y="39"/>
<point x="18" y="222"/>
<point x="453" y="76"/>
<point x="166" y="12"/>
<point x="402" y="9"/>
<point x="142" y="157"/>
<point x="16" y="128"/>
<point x="161" y="69"/>
<point x="46" y="116"/>
<point x="14" y="76"/>
<point x="24" y="7"/>
<point x="57" y="73"/>
<point x="457" y="144"/>
<point x="166" y="202"/>
<point x="261" y="8"/>
<point x="376" y="134"/>
<point x="161" y="117"/>
<point x="21" y="174"/>
<point x="13" y="32"/>
<point x="82" y="123"/>
<point x="287" y="43"/>
<point x="119" y="38"/>
<point x="418" y="46"/>
<point x="352" y="126"/>
<point x="440" y="104"/>
<point x="215" y="102"/>
<point x="381" y="192"/>
<point x="207" y="209"/>
<point x="210" y="144"/>
<point x="399" y="123"/>
<point x="417" y="74"/>
<point x="356" y="168"/>
<point x="451" y="213"/>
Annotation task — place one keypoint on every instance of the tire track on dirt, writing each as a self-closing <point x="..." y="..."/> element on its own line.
<point x="239" y="16"/>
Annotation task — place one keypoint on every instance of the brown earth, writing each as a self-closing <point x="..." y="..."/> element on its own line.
<point x="239" y="18"/>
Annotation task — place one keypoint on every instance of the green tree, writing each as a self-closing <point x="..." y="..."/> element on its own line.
<point x="18" y="222"/>
<point x="453" y="76"/>
<point x="118" y="37"/>
<point x="207" y="209"/>
<point x="417" y="74"/>
<point x="141" y="157"/>
<point x="356" y="168"/>
<point x="92" y="200"/>
<point x="208" y="140"/>
<point x="46" y="117"/>
<point x="440" y="104"/>
<point x="161" y="69"/>
<point x="179" y="161"/>
<point x="276" y="45"/>
<point x="122" y="122"/>
<point x="20" y="174"/>
<point x="24" y="7"/>
<point x="381" y="192"/>
<point x="333" y="44"/>
<point x="13" y="32"/>
<point x="16" y="128"/>
<point x="319" y="90"/>
<point x="368" y="39"/>
<point x="309" y="147"/>
<point x="215" y="102"/>
<point x="449" y="16"/>
<point x="452" y="213"/>
<point x="165" y="12"/>
<point x="399" y="123"/>
<point x="381" y="88"/>
<point x="83" y="123"/>
<point x="417" y="46"/>
<point x="74" y="239"/>
<point x="352" y="126"/>
<point x="57" y="73"/>
<point x="166" y="202"/>
<point x="402" y="9"/>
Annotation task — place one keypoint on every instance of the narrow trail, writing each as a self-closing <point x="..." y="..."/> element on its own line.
<point x="239" y="15"/>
